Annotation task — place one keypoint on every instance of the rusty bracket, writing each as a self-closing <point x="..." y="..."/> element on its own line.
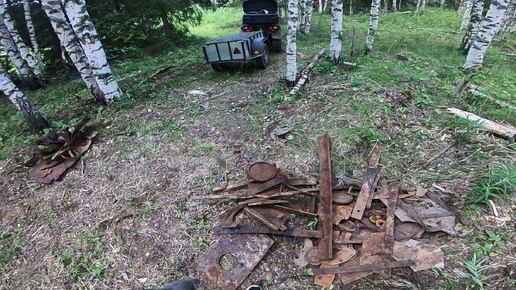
<point x="363" y="268"/>
<point x="367" y="187"/>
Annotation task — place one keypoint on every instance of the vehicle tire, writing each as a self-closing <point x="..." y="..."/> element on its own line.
<point x="276" y="45"/>
<point x="263" y="61"/>
<point x="219" y="66"/>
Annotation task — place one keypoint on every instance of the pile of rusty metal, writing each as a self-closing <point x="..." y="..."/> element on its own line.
<point x="364" y="226"/>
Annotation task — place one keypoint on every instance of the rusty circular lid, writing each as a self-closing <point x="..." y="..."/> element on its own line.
<point x="312" y="257"/>
<point x="341" y="197"/>
<point x="262" y="171"/>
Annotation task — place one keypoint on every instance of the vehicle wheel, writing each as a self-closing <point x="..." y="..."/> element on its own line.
<point x="276" y="45"/>
<point x="263" y="61"/>
<point x="219" y="66"/>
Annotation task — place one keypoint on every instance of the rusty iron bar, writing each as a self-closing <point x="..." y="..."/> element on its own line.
<point x="325" y="200"/>
<point x="290" y="231"/>
<point x="367" y="187"/>
<point x="363" y="268"/>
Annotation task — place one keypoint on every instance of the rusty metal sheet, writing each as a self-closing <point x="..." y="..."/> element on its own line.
<point x="325" y="199"/>
<point x="242" y="253"/>
<point x="425" y="256"/>
<point x="367" y="187"/>
<point x="290" y="231"/>
<point x="261" y="171"/>
<point x="340" y="213"/>
<point x="257" y="187"/>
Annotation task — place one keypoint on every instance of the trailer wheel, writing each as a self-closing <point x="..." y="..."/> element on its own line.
<point x="276" y="45"/>
<point x="219" y="66"/>
<point x="263" y="61"/>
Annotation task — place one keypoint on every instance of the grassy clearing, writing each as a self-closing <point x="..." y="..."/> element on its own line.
<point x="159" y="142"/>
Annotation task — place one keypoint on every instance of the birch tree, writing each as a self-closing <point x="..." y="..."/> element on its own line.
<point x="509" y="21"/>
<point x="307" y="16"/>
<point x="69" y="41"/>
<point x="36" y="121"/>
<point x="468" y="5"/>
<point x="20" y="44"/>
<point x="83" y="27"/>
<point x="490" y="25"/>
<point x="291" y="41"/>
<point x="336" y="30"/>
<point x="13" y="53"/>
<point x="420" y="7"/>
<point x="442" y="4"/>
<point x="473" y="27"/>
<point x="373" y="25"/>
<point x="394" y="6"/>
<point x="32" y="33"/>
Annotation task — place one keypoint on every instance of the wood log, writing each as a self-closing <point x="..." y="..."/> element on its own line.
<point x="505" y="131"/>
<point x="305" y="73"/>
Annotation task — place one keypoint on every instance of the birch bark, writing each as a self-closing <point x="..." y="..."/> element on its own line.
<point x="468" y="5"/>
<point x="307" y="15"/>
<point x="490" y="25"/>
<point x="509" y="22"/>
<point x="32" y="34"/>
<point x="291" y="41"/>
<point x="394" y="6"/>
<point x="336" y="30"/>
<point x="12" y="52"/>
<point x="473" y="27"/>
<point x="373" y="25"/>
<point x="15" y="35"/>
<point x="85" y="30"/>
<point x="36" y="121"/>
<point x="69" y="41"/>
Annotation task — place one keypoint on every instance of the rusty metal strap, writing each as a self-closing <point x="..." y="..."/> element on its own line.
<point x="363" y="268"/>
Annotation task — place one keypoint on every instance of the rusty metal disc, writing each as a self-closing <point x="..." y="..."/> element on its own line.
<point x="262" y="171"/>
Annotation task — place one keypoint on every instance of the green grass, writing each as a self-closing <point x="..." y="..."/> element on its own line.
<point x="496" y="185"/>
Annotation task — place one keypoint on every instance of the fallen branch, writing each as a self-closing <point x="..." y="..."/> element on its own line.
<point x="305" y="73"/>
<point x="435" y="157"/>
<point x="463" y="83"/>
<point x="487" y="125"/>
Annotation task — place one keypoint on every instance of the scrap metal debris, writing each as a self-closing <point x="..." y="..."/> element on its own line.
<point x="365" y="226"/>
<point x="58" y="150"/>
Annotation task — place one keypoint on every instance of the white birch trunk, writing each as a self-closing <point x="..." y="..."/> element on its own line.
<point x="15" y="35"/>
<point x="307" y="15"/>
<point x="442" y="4"/>
<point x="336" y="30"/>
<point x="13" y="53"/>
<point x="321" y="6"/>
<point x="291" y="41"/>
<point x="326" y="5"/>
<point x="509" y="21"/>
<point x="71" y="45"/>
<point x="462" y="7"/>
<point x="394" y="6"/>
<point x="32" y="33"/>
<point x="418" y="5"/>
<point x="485" y="36"/>
<point x="21" y="102"/>
<point x="468" y="5"/>
<point x="474" y="25"/>
<point x="373" y="25"/>
<point x="85" y="30"/>
<point x="385" y="6"/>
<point x="351" y="7"/>
<point x="301" y="16"/>
<point x="423" y="6"/>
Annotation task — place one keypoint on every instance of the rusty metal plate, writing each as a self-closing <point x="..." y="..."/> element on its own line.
<point x="262" y="171"/>
<point x="230" y="259"/>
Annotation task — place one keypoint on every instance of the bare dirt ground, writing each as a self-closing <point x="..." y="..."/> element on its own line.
<point x="123" y="217"/>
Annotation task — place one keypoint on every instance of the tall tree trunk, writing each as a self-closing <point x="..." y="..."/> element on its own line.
<point x="307" y="15"/>
<point x="321" y="6"/>
<point x="71" y="44"/>
<point x="468" y="5"/>
<point x="301" y="16"/>
<point x="12" y="51"/>
<point x="462" y="7"/>
<point x="490" y="25"/>
<point x="442" y="5"/>
<point x="373" y="25"/>
<point x="22" y="47"/>
<point x="474" y="26"/>
<point x="336" y="30"/>
<point x="90" y="42"/>
<point x="394" y="6"/>
<point x="32" y="33"/>
<point x="351" y="7"/>
<point x="509" y="22"/>
<point x="291" y="41"/>
<point x="423" y="6"/>
<point x="385" y="6"/>
<point x="167" y="27"/>
<point x="36" y="121"/>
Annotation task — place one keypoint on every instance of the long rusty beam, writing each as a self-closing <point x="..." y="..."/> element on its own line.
<point x="325" y="200"/>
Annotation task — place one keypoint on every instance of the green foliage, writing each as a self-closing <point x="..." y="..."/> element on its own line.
<point x="84" y="261"/>
<point x="489" y="245"/>
<point x="476" y="269"/>
<point x="496" y="185"/>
